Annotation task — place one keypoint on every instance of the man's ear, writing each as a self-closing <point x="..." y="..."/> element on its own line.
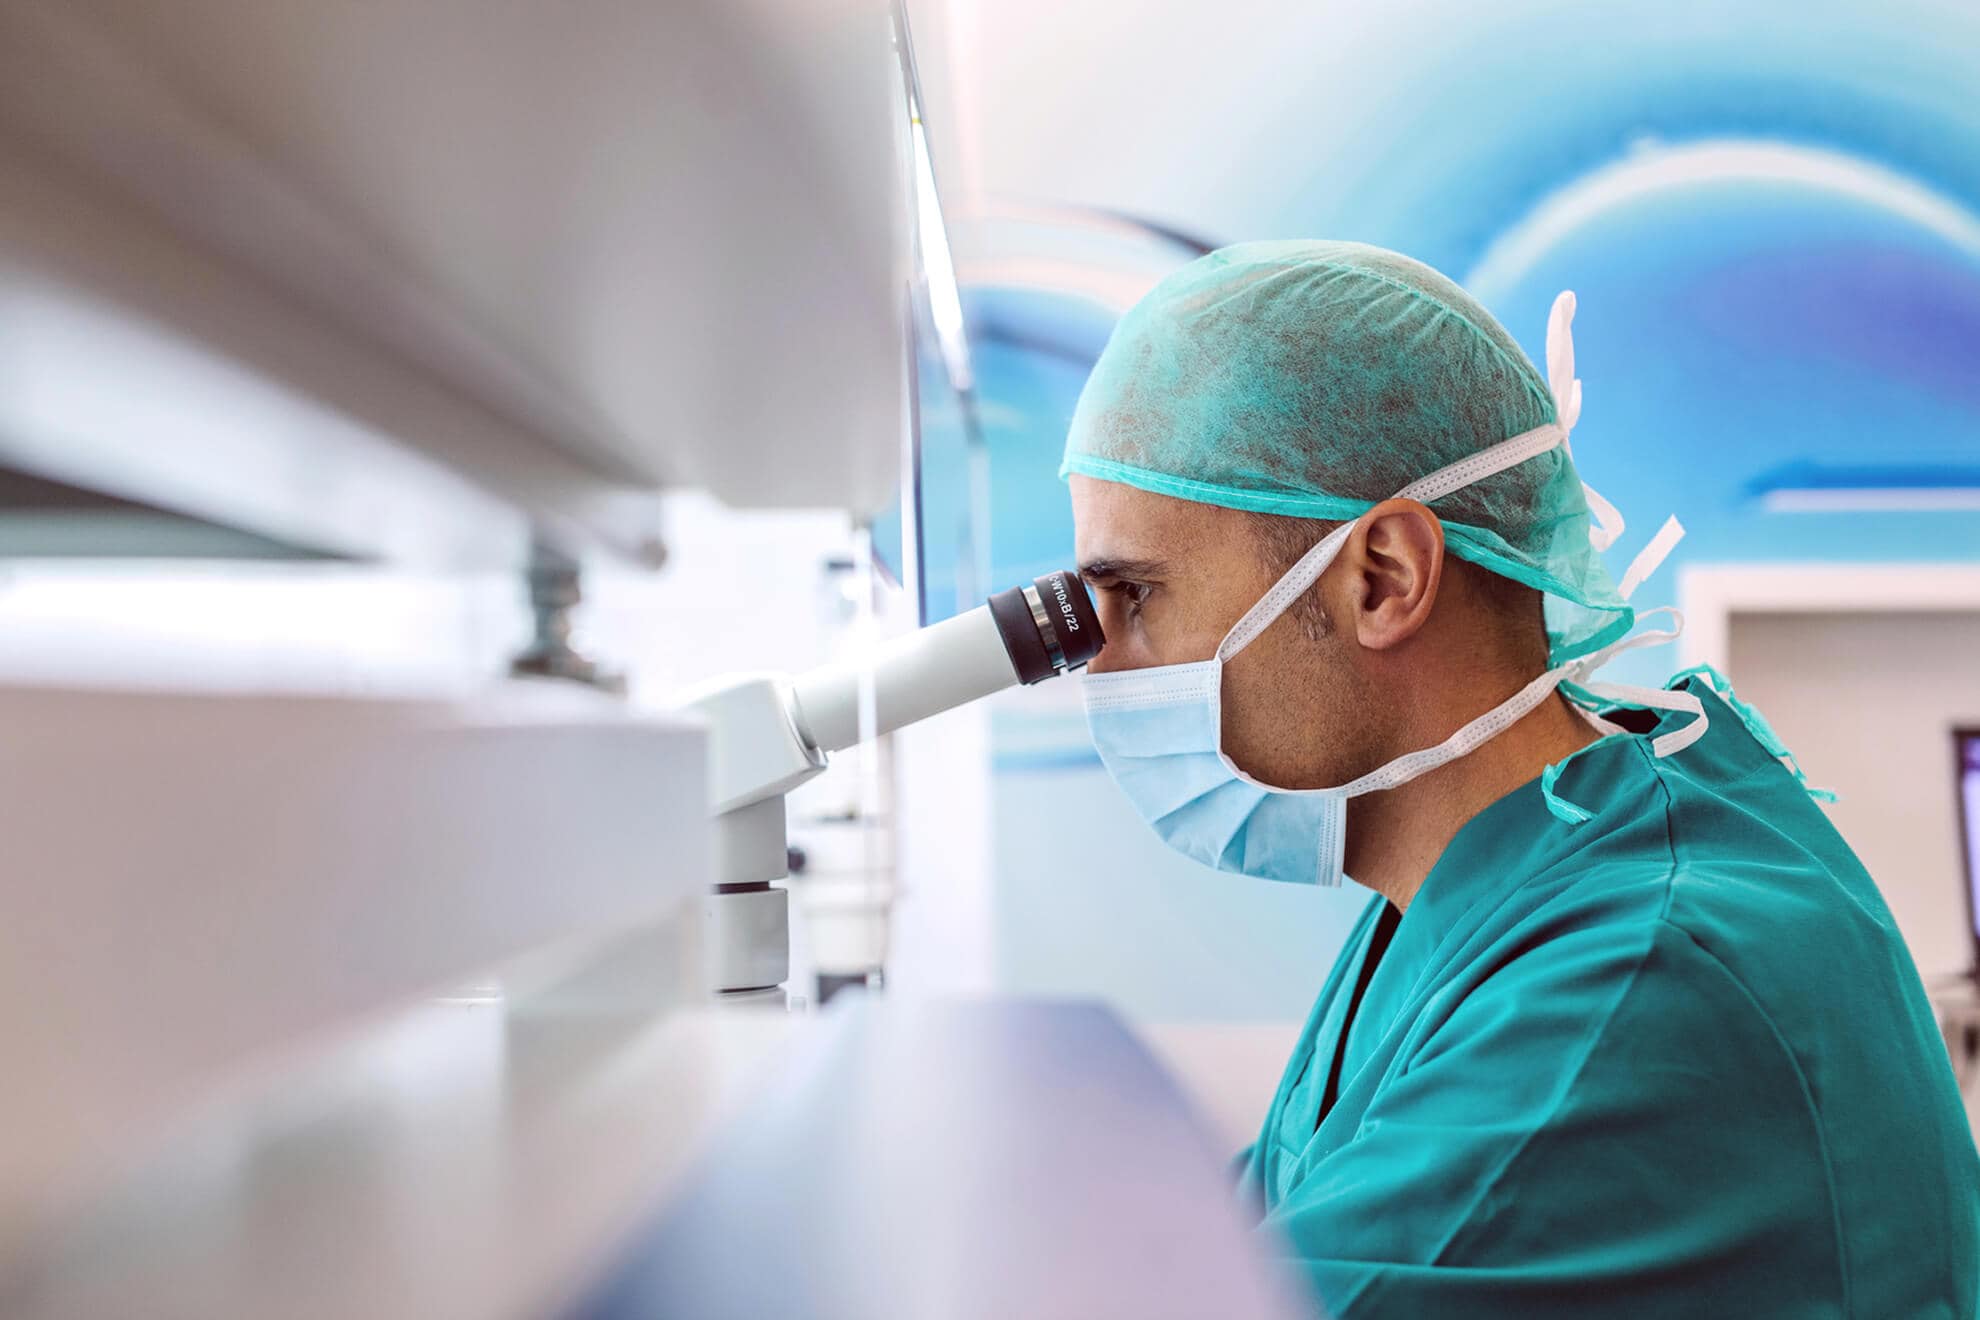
<point x="1394" y="565"/>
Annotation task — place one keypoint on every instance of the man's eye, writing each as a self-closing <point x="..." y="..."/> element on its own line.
<point x="1131" y="595"/>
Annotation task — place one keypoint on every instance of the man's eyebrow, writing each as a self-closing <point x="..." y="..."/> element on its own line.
<point x="1131" y="570"/>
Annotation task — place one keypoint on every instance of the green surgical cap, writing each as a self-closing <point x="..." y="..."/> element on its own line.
<point x="1316" y="379"/>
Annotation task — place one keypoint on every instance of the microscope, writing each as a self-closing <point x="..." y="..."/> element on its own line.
<point x="770" y="732"/>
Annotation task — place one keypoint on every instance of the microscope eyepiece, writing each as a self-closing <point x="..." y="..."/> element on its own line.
<point x="1048" y="627"/>
<point x="1040" y="630"/>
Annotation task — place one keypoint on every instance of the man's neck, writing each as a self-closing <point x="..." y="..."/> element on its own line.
<point x="1396" y="836"/>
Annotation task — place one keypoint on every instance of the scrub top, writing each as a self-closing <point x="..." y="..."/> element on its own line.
<point x="1671" y="1061"/>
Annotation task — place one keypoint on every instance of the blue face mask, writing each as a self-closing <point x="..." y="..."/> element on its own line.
<point x="1156" y="731"/>
<point x="1159" y="730"/>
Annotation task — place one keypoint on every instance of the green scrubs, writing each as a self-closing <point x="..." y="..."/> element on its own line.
<point x="1672" y="1061"/>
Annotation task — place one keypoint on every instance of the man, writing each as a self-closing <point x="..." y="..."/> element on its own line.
<point x="1626" y="1026"/>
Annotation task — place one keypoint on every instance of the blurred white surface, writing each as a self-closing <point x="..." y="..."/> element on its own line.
<point x="198" y="886"/>
<point x="570" y="253"/>
<point x="461" y="1160"/>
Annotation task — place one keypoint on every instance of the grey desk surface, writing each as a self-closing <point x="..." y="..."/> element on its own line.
<point x="994" y="1159"/>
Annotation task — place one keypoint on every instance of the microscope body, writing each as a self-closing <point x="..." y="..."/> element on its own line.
<point x="757" y="754"/>
<point x="769" y="733"/>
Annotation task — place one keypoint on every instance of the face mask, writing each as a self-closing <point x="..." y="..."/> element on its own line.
<point x="1159" y="730"/>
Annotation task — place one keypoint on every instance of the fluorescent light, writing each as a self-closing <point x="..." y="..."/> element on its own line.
<point x="1873" y="499"/>
<point x="944" y="296"/>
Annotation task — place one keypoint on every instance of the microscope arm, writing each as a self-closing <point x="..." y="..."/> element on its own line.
<point x="768" y="733"/>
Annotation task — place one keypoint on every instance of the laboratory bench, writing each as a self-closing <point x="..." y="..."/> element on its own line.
<point x="553" y="1153"/>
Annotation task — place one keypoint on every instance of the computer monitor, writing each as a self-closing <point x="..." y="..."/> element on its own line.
<point x="1966" y="762"/>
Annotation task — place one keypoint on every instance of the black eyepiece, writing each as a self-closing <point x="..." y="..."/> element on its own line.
<point x="1048" y="627"/>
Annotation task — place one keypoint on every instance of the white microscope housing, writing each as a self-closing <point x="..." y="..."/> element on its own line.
<point x="769" y="732"/>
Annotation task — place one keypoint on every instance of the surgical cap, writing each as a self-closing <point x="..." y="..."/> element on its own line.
<point x="1315" y="379"/>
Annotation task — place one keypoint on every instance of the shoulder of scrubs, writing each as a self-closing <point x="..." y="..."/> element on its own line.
<point x="1770" y="891"/>
<point x="1639" y="1063"/>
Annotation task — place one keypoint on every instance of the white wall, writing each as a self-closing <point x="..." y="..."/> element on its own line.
<point x="1867" y="700"/>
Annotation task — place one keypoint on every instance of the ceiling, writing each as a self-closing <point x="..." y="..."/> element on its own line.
<point x="1429" y="127"/>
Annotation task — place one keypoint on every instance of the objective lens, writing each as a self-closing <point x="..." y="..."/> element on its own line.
<point x="1048" y="627"/>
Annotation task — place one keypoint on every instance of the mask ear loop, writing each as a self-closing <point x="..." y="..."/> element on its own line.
<point x="1302" y="575"/>
<point x="1290" y="586"/>
<point x="1515" y="708"/>
<point x="1606" y="526"/>
<point x="1454" y="476"/>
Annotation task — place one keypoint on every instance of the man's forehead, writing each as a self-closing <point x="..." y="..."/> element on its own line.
<point x="1117" y="522"/>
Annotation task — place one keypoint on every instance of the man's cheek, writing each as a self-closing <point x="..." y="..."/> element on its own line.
<point x="1113" y="621"/>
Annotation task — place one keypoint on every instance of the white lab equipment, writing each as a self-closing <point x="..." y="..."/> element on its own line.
<point x="768" y="733"/>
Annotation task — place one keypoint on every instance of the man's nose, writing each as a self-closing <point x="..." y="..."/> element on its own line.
<point x="1110" y="658"/>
